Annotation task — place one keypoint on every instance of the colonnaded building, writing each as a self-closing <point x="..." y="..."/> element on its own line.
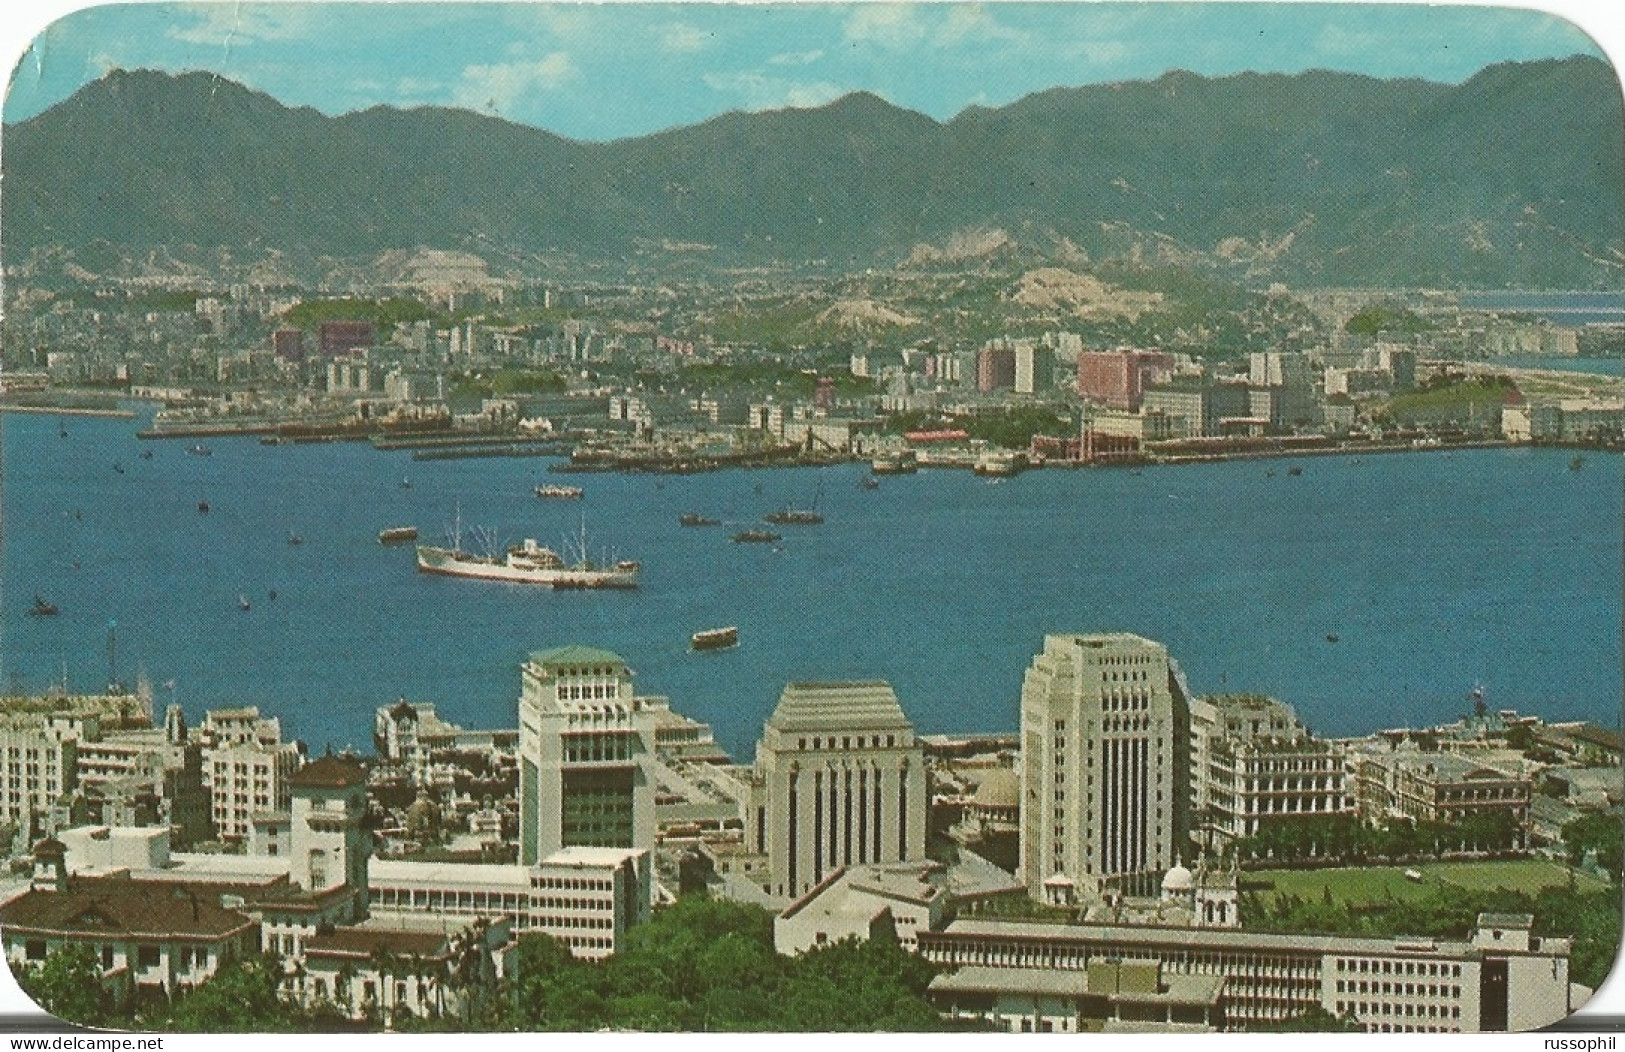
<point x="1105" y="732"/>
<point x="840" y="781"/>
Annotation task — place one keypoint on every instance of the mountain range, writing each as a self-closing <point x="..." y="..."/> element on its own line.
<point x="1513" y="177"/>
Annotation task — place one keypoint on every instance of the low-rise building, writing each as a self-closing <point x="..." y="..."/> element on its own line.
<point x="586" y="897"/>
<point x="860" y="902"/>
<point x="146" y="940"/>
<point x="422" y="966"/>
<point x="1109" y="991"/>
<point x="1500" y="978"/>
<point x="1440" y="787"/>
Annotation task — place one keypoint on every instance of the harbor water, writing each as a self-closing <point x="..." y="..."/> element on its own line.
<point x="1367" y="592"/>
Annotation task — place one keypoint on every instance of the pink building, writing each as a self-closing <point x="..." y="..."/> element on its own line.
<point x="995" y="368"/>
<point x="1119" y="378"/>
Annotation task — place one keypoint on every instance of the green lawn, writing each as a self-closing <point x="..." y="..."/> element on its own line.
<point x="1379" y="883"/>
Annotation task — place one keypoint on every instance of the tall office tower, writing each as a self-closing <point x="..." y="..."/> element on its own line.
<point x="586" y="746"/>
<point x="1105" y="731"/>
<point x="840" y="781"/>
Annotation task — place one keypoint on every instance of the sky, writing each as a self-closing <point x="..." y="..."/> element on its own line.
<point x="613" y="70"/>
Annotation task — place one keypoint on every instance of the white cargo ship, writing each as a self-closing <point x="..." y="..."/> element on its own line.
<point x="529" y="563"/>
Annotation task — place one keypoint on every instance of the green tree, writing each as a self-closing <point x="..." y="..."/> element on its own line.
<point x="68" y="984"/>
<point x="243" y="996"/>
<point x="1598" y="832"/>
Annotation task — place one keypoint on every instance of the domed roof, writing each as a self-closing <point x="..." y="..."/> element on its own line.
<point x="999" y="788"/>
<point x="1177" y="879"/>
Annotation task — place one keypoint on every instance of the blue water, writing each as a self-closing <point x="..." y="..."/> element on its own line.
<point x="1562" y="308"/>
<point x="1599" y="366"/>
<point x="1437" y="571"/>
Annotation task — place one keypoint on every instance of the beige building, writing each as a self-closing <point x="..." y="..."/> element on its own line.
<point x="246" y="780"/>
<point x="420" y="966"/>
<point x="1105" y="726"/>
<point x="1500" y="978"/>
<point x="1109" y="995"/>
<point x="858" y="903"/>
<point x="1440" y="787"/>
<point x="840" y="781"/>
<point x="586" y="745"/>
<point x="1253" y="763"/>
<point x="588" y="898"/>
<point x="38" y="766"/>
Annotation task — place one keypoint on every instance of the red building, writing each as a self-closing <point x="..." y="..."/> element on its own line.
<point x="995" y="368"/>
<point x="339" y="338"/>
<point x="1119" y="378"/>
<point x="289" y="344"/>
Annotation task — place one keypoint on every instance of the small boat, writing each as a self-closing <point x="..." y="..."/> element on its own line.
<point x="1331" y="637"/>
<point x="398" y="535"/>
<point x="869" y="482"/>
<point x="1576" y="464"/>
<point x="1000" y="463"/>
<point x="793" y="517"/>
<point x="560" y="492"/>
<point x="1270" y="473"/>
<point x="715" y="639"/>
<point x="691" y="519"/>
<point x="42" y="608"/>
<point x="406" y="483"/>
<point x="203" y="507"/>
<point x="756" y="537"/>
<point x="902" y="462"/>
<point x="294" y="540"/>
<point x="61" y="430"/>
<point x="242" y="603"/>
<point x="1294" y="471"/>
<point x="146" y="454"/>
<point x="200" y="450"/>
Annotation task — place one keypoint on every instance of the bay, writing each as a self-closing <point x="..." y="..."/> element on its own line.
<point x="1436" y="572"/>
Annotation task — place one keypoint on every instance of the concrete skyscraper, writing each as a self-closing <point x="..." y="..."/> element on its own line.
<point x="840" y="781"/>
<point x="1105" y="729"/>
<point x="586" y="746"/>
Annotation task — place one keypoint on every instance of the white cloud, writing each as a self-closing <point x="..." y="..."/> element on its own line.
<point x="682" y="38"/>
<point x="500" y="85"/>
<point x="893" y="26"/>
<point x="796" y="58"/>
<point x="1099" y="52"/>
<point x="234" y="24"/>
<point x="973" y="22"/>
<point x="757" y="91"/>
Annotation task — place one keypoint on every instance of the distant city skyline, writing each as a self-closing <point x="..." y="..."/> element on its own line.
<point x="601" y="72"/>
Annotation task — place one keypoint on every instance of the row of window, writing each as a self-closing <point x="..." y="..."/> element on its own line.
<point x="1363" y="986"/>
<point x="847" y="742"/>
<point x="572" y="884"/>
<point x="566" y="920"/>
<point x="1362" y="1009"/>
<point x="588" y="691"/>
<point x="1437" y="969"/>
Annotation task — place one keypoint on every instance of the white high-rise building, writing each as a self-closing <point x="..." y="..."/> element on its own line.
<point x="1105" y="728"/>
<point x="586" y="749"/>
